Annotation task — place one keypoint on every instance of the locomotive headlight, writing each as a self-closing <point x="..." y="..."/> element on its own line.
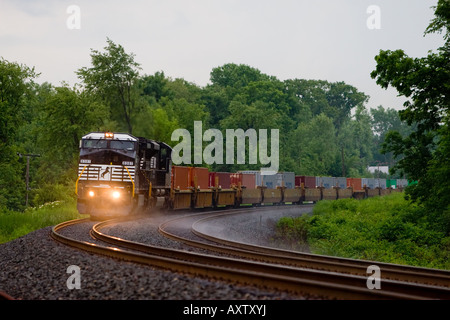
<point x="91" y="193"/>
<point x="116" y="194"/>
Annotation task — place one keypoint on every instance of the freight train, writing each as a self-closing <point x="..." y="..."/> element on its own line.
<point x="120" y="174"/>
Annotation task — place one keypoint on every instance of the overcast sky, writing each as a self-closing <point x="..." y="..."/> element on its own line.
<point x="314" y="39"/>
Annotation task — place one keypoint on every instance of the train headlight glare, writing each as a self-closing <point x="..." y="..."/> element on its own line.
<point x="91" y="193"/>
<point x="116" y="194"/>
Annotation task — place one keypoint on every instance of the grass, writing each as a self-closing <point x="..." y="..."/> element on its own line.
<point x="387" y="229"/>
<point x="16" y="224"/>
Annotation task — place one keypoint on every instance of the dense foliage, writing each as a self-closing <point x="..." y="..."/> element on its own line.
<point x="425" y="83"/>
<point x="388" y="229"/>
<point x="325" y="128"/>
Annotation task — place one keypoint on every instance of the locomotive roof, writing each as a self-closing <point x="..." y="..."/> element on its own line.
<point x="117" y="136"/>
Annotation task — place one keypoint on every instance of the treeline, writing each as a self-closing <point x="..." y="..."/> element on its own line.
<point x="325" y="128"/>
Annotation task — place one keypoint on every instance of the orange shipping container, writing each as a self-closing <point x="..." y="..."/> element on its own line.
<point x="180" y="178"/>
<point x="355" y="183"/>
<point x="236" y="179"/>
<point x="249" y="180"/>
<point x="199" y="177"/>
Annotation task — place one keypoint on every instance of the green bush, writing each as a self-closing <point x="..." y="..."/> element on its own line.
<point x="53" y="192"/>
<point x="16" y="224"/>
<point x="388" y="229"/>
<point x="293" y="229"/>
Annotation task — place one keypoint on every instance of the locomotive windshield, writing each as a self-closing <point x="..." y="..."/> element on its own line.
<point x="95" y="144"/>
<point x="123" y="145"/>
<point x="108" y="144"/>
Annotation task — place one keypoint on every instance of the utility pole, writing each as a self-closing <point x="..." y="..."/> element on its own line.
<point x="27" y="176"/>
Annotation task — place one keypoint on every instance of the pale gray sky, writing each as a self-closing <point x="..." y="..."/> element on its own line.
<point x="314" y="39"/>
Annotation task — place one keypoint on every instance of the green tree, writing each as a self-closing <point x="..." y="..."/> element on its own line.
<point x="382" y="121"/>
<point x="313" y="146"/>
<point x="236" y="76"/>
<point x="310" y="95"/>
<point x="335" y="100"/>
<point x="425" y="82"/>
<point x="16" y="83"/>
<point x="154" y="86"/>
<point x="66" y="115"/>
<point x="155" y="122"/>
<point x="227" y="81"/>
<point x="113" y="78"/>
<point x="355" y="145"/>
<point x="216" y="102"/>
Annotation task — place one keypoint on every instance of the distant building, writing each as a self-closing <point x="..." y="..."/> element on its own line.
<point x="384" y="169"/>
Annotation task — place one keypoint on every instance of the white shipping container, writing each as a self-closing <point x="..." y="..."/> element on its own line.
<point x="341" y="182"/>
<point x="371" y="183"/>
<point x="364" y="182"/>
<point x="326" y="182"/>
<point x="380" y="183"/>
<point x="270" y="181"/>
<point x="287" y="179"/>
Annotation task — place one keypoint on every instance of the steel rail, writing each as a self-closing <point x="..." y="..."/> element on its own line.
<point x="5" y="296"/>
<point x="410" y="290"/>
<point x="354" y="266"/>
<point x="260" y="278"/>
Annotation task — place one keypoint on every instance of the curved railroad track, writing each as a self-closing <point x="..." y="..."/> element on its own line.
<point x="280" y="270"/>
<point x="351" y="266"/>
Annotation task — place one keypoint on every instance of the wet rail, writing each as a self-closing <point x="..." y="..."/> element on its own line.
<point x="352" y="266"/>
<point x="275" y="274"/>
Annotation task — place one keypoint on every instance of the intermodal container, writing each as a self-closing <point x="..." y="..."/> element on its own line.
<point x="355" y="183"/>
<point x="308" y="181"/>
<point x="257" y="176"/>
<point x="199" y="177"/>
<point x="326" y="182"/>
<point x="223" y="179"/>
<point x="236" y="179"/>
<point x="298" y="181"/>
<point x="248" y="180"/>
<point x="341" y="182"/>
<point x="180" y="178"/>
<point x="212" y="179"/>
<point x="368" y="183"/>
<point x="380" y="183"/>
<point x="391" y="183"/>
<point x="287" y="179"/>
<point x="270" y="181"/>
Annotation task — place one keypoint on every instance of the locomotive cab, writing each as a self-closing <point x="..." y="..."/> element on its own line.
<point x="119" y="173"/>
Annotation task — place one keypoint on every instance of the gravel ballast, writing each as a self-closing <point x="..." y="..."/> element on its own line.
<point x="34" y="267"/>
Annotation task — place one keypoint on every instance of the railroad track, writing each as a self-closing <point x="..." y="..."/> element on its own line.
<point x="299" y="259"/>
<point x="278" y="271"/>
